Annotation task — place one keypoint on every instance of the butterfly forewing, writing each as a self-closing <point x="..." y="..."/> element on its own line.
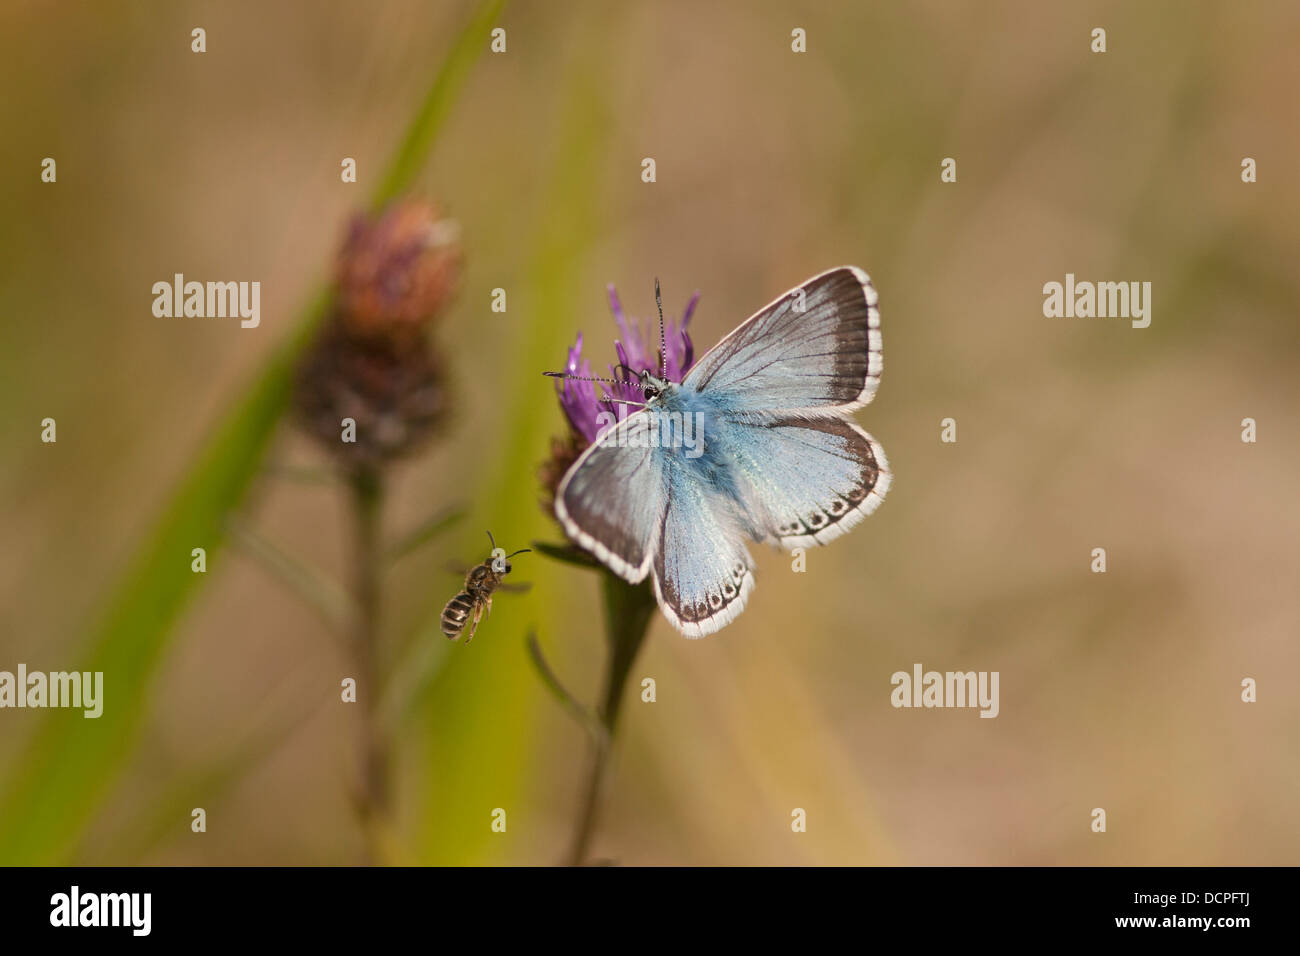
<point x="815" y="350"/>
<point x="612" y="498"/>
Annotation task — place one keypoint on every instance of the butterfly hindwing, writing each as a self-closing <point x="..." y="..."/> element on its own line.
<point x="611" y="500"/>
<point x="702" y="570"/>
<point x="815" y="350"/>
<point x="806" y="481"/>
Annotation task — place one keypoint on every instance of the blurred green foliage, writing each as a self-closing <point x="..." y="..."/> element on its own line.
<point x="51" y="792"/>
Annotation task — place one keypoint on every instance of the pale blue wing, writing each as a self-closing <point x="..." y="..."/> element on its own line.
<point x="702" y="571"/>
<point x="821" y="360"/>
<point x="805" y="481"/>
<point x="611" y="500"/>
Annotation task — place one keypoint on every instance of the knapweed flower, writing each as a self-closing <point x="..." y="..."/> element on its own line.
<point x="637" y="351"/>
<point x="372" y="361"/>
<point x="588" y="409"/>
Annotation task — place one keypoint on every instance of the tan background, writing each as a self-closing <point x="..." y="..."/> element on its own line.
<point x="1119" y="691"/>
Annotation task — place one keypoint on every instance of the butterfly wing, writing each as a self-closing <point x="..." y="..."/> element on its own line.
<point x="702" y="571"/>
<point x="781" y="384"/>
<point x="611" y="500"/>
<point x="814" y="351"/>
<point x="805" y="481"/>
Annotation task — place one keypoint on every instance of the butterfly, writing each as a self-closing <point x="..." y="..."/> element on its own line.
<point x="755" y="443"/>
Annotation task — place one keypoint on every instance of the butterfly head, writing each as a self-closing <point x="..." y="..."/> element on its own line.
<point x="651" y="387"/>
<point x="642" y="377"/>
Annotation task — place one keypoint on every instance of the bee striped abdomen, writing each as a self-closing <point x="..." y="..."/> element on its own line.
<point x="456" y="613"/>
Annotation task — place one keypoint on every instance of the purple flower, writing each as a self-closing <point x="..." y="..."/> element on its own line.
<point x="637" y="350"/>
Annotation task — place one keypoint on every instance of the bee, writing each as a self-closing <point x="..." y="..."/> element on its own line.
<point x="476" y="597"/>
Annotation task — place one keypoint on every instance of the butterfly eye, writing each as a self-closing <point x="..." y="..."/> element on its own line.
<point x="651" y="392"/>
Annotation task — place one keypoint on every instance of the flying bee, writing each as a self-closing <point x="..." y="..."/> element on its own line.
<point x="476" y="597"/>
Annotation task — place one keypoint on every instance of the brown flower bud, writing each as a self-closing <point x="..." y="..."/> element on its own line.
<point x="396" y="396"/>
<point x="396" y="272"/>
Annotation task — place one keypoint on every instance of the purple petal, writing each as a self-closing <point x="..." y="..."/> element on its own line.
<point x="580" y="401"/>
<point x="690" y="310"/>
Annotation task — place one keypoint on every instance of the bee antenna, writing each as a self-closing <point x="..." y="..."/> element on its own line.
<point x="663" y="338"/>
<point x="520" y="551"/>
<point x="492" y="541"/>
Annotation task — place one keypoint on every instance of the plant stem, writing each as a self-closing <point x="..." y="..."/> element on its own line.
<point x="628" y="609"/>
<point x="372" y="794"/>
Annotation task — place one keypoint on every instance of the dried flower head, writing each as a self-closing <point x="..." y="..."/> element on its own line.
<point x="395" y="398"/>
<point x="372" y="361"/>
<point x="397" y="271"/>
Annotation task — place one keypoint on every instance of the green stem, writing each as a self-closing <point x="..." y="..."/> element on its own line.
<point x="373" y="792"/>
<point x="628" y="609"/>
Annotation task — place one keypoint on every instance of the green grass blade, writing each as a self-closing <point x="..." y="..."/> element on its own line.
<point x="414" y="150"/>
<point x="70" y="761"/>
<point x="156" y="824"/>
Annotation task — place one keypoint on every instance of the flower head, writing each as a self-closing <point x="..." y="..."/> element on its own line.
<point x="637" y="351"/>
<point x="396" y="398"/>
<point x="372" y="362"/>
<point x="396" y="271"/>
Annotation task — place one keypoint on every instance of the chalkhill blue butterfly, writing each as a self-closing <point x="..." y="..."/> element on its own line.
<point x="755" y="443"/>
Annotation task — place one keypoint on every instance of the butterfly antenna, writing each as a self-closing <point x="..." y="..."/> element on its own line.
<point x="663" y="338"/>
<point x="583" y="378"/>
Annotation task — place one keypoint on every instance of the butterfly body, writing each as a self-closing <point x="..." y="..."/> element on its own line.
<point x="754" y="443"/>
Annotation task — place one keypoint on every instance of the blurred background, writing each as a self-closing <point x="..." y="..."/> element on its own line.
<point x="1119" y="691"/>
